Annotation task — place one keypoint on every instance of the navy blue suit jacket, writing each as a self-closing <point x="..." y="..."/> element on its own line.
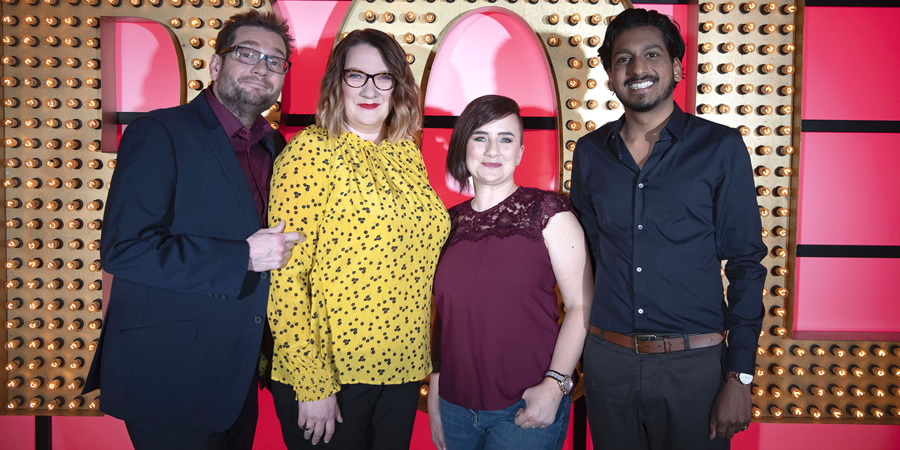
<point x="185" y="317"/>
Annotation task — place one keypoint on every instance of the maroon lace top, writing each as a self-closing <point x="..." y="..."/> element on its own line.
<point x="494" y="290"/>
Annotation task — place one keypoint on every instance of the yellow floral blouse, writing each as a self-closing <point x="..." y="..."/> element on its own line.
<point x="353" y="303"/>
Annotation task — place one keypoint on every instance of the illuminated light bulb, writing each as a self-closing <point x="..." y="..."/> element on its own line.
<point x="782" y="212"/>
<point x="723" y="109"/>
<point x="787" y="49"/>
<point x="856" y="412"/>
<point x="35" y="304"/>
<point x="776" y="350"/>
<point x="55" y="344"/>
<point x="780" y="271"/>
<point x="15" y="303"/>
<point x="13" y="223"/>
<point x="818" y="370"/>
<point x="55" y="324"/>
<point x="775" y="411"/>
<point x="590" y="125"/>
<point x="54" y="243"/>
<point x="706" y="67"/>
<point x="570" y="146"/>
<point x="756" y="412"/>
<point x="763" y="212"/>
<point x="775" y="392"/>
<point x="877" y="392"/>
<point x="796" y="392"/>
<point x="705" y="88"/>
<point x="574" y="19"/>
<point x="76" y="403"/>
<point x="55" y="283"/>
<point x="726" y="28"/>
<point x="76" y="344"/>
<point x="573" y="125"/>
<point x="77" y="383"/>
<point x="95" y="324"/>
<point x="35" y="283"/>
<point x="14" y="323"/>
<point x="14" y="364"/>
<point x="36" y="324"/>
<point x="93" y="345"/>
<point x="726" y="68"/>
<point x="13" y="203"/>
<point x="36" y="402"/>
<point x="796" y="410"/>
<point x="56" y="382"/>
<point x="763" y="171"/>
<point x="94" y="404"/>
<point x="76" y="363"/>
<point x="776" y="369"/>
<point x="760" y="351"/>
<point x="706" y="47"/>
<point x="745" y="131"/>
<point x="837" y="391"/>
<point x="707" y="7"/>
<point x="15" y="283"/>
<point x="704" y="109"/>
<point x="725" y="88"/>
<point x="857" y="391"/>
<point x="778" y="311"/>
<point x="835" y="412"/>
<point x="35" y="383"/>
<point x="748" y="27"/>
<point x="763" y="191"/>
<point x="758" y="391"/>
<point x="55" y="305"/>
<point x="707" y="26"/>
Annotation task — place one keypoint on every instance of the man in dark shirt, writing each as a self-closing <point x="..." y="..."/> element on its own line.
<point x="664" y="197"/>
<point x="185" y="238"/>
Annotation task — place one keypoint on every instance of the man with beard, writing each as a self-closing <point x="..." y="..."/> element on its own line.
<point x="664" y="197"/>
<point x="184" y="238"/>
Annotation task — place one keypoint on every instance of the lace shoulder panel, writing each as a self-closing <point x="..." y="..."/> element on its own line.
<point x="524" y="213"/>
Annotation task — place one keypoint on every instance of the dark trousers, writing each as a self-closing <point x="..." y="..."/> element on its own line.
<point x="376" y="417"/>
<point x="237" y="437"/>
<point x="651" y="402"/>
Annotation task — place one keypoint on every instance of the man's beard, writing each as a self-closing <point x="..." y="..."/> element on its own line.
<point x="648" y="104"/>
<point x="242" y="102"/>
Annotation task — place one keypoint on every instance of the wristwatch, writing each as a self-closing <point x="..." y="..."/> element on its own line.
<point x="565" y="382"/>
<point x="744" y="378"/>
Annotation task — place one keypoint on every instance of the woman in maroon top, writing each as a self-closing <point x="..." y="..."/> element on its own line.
<point x="505" y="362"/>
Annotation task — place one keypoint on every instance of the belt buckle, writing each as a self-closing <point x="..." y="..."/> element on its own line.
<point x="639" y="337"/>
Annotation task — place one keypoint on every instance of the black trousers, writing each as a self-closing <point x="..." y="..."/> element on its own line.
<point x="237" y="437"/>
<point x="651" y="402"/>
<point x="376" y="417"/>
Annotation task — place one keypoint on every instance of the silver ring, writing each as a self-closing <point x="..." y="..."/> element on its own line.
<point x="305" y="427"/>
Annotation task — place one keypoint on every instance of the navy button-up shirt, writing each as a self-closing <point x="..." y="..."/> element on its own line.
<point x="658" y="235"/>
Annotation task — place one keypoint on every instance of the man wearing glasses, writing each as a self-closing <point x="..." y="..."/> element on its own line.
<point x="184" y="237"/>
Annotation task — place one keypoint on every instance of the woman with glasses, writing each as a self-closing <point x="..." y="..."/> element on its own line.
<point x="506" y="364"/>
<point x="350" y="312"/>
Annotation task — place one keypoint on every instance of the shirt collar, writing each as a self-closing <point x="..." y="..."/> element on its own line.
<point x="674" y="130"/>
<point x="231" y="124"/>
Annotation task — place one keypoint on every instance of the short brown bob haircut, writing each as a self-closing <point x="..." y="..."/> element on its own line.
<point x="405" y="118"/>
<point x="479" y="112"/>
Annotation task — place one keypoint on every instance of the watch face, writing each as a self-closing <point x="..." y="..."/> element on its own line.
<point x="567" y="384"/>
<point x="745" y="378"/>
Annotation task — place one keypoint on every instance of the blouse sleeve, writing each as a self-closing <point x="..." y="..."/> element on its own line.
<point x="551" y="204"/>
<point x="300" y="188"/>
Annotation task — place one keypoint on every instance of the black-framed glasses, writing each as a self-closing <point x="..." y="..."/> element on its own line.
<point x="252" y="57"/>
<point x="356" y="79"/>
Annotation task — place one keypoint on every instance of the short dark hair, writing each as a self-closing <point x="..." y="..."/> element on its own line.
<point x="483" y="110"/>
<point x="405" y="118"/>
<point x="252" y="18"/>
<point x="636" y="18"/>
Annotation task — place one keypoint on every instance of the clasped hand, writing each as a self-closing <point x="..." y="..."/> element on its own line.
<point x="270" y="248"/>
<point x="541" y="402"/>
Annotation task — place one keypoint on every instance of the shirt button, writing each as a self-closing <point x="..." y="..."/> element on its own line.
<point x="257" y="319"/>
<point x="641" y="185"/>
<point x="640" y="227"/>
<point x="640" y="310"/>
<point x="639" y="269"/>
<point x="264" y="275"/>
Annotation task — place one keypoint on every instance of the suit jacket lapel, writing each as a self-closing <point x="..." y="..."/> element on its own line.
<point x="219" y="146"/>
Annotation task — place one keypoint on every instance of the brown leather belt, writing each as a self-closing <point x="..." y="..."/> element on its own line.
<point x="652" y="343"/>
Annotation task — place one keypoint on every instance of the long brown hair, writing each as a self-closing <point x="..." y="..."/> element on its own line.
<point x="405" y="118"/>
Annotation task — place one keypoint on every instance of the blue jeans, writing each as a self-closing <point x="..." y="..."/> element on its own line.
<point x="471" y="429"/>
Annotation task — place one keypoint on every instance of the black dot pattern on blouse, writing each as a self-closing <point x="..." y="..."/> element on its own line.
<point x="353" y="303"/>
